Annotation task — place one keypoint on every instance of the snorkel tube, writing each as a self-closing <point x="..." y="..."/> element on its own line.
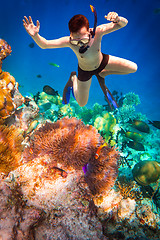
<point x="83" y="49"/>
<point x="95" y="20"/>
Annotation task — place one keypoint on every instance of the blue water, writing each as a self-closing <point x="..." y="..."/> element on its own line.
<point x="138" y="41"/>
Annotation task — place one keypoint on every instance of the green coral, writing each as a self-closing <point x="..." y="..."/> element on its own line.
<point x="53" y="109"/>
<point x="67" y="110"/>
<point x="131" y="99"/>
<point x="44" y="97"/>
<point x="128" y="111"/>
<point x="105" y="124"/>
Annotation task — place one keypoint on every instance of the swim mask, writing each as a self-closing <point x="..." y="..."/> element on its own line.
<point x="83" y="41"/>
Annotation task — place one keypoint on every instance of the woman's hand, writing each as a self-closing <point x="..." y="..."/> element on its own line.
<point x="112" y="16"/>
<point x="31" y="29"/>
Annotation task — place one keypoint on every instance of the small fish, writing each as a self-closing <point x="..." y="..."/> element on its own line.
<point x="114" y="93"/>
<point x="39" y="76"/>
<point x="28" y="94"/>
<point x="31" y="45"/>
<point x="54" y="64"/>
<point x="36" y="97"/>
<point x="21" y="86"/>
<point x="49" y="90"/>
<point x="136" y="146"/>
<point x="85" y="168"/>
<point x="27" y="101"/>
<point x="99" y="150"/>
<point x="60" y="172"/>
<point x="31" y="127"/>
<point x="140" y="125"/>
<point x="45" y="106"/>
<point x="157" y="11"/>
<point x="133" y="135"/>
<point x="155" y="124"/>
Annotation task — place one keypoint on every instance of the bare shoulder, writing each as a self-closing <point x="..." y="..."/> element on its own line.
<point x="108" y="27"/>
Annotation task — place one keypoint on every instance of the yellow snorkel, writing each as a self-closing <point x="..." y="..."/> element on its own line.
<point x="95" y="19"/>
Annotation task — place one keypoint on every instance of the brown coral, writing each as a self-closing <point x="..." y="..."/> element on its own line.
<point x="10" y="148"/>
<point x="128" y="189"/>
<point x="7" y="106"/>
<point x="7" y="81"/>
<point x="10" y="98"/>
<point x="70" y="143"/>
<point x="5" y="49"/>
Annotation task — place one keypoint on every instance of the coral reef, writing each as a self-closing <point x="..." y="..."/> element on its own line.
<point x="7" y="106"/>
<point x="10" y="148"/>
<point x="128" y="111"/>
<point x="136" y="224"/>
<point x="125" y="216"/>
<point x="24" y="117"/>
<point x="17" y="221"/>
<point x="53" y="109"/>
<point x="131" y="99"/>
<point x="51" y="180"/>
<point x="146" y="172"/>
<point x="61" y="225"/>
<point x="70" y="143"/>
<point x="44" y="207"/>
<point x="128" y="189"/>
<point x="5" y="49"/>
<point x="10" y="97"/>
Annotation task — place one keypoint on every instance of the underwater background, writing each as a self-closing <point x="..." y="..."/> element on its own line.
<point x="70" y="172"/>
<point x="138" y="42"/>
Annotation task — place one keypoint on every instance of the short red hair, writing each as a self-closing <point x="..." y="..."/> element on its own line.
<point x="77" y="22"/>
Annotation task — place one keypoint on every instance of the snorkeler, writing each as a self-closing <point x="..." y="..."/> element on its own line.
<point x="86" y="44"/>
